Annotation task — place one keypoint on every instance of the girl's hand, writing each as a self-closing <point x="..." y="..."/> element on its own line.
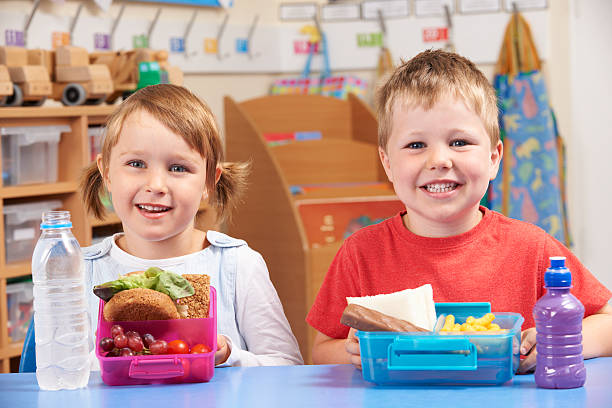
<point x="223" y="350"/>
<point x="351" y="345"/>
<point x="528" y="342"/>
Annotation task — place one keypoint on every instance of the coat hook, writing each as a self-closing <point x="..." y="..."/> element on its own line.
<point x="74" y="21"/>
<point x="26" y="27"/>
<point x="152" y="26"/>
<point x="188" y="30"/>
<point x="220" y="34"/>
<point x="250" y="36"/>
<point x="115" y="25"/>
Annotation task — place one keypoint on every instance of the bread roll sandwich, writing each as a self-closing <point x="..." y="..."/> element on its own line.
<point x="155" y="294"/>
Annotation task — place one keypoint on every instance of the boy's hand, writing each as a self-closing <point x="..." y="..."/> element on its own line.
<point x="528" y="342"/>
<point x="351" y="346"/>
<point x="223" y="350"/>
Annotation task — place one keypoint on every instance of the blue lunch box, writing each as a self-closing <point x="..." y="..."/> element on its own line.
<point x="443" y="358"/>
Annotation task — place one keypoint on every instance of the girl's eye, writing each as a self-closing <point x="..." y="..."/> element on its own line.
<point x="459" y="143"/>
<point x="415" y="145"/>
<point x="136" y="163"/>
<point x="177" y="168"/>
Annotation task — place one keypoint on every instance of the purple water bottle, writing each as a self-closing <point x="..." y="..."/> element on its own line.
<point x="558" y="318"/>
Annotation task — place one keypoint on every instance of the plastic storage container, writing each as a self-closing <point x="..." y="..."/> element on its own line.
<point x="22" y="228"/>
<point x="95" y="134"/>
<point x="29" y="154"/>
<point x="19" y="306"/>
<point x="435" y="358"/>
<point x="163" y="368"/>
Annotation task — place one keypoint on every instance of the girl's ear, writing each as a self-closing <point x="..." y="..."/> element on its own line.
<point x="102" y="171"/>
<point x="218" y="172"/>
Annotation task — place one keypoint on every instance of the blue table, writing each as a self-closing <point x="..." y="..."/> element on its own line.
<point x="308" y="386"/>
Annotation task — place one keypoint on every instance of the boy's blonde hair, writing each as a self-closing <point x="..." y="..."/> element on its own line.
<point x="186" y="115"/>
<point x="428" y="77"/>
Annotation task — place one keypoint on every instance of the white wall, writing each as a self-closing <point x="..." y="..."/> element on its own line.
<point x="590" y="147"/>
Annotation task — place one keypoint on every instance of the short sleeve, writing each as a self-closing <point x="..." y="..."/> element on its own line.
<point x="585" y="286"/>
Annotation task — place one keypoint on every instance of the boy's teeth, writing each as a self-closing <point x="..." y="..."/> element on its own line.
<point x="441" y="188"/>
<point x="152" y="208"/>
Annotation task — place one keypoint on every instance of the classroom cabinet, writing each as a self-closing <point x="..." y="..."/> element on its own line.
<point x="315" y="178"/>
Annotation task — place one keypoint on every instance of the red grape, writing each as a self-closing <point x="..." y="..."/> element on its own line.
<point x="148" y="339"/>
<point x="121" y="341"/>
<point x="133" y="334"/>
<point x="116" y="330"/>
<point x="158" y="347"/>
<point x="135" y="343"/>
<point x="107" y="344"/>
<point x="126" y="352"/>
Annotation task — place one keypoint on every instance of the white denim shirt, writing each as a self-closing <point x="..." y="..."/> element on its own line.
<point x="249" y="312"/>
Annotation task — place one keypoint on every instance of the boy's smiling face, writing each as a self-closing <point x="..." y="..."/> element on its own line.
<point x="440" y="162"/>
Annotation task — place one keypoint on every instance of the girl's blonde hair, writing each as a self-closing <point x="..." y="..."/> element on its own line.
<point x="186" y="115"/>
<point x="428" y="77"/>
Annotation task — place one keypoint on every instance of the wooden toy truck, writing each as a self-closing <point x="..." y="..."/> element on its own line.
<point x="75" y="81"/>
<point x="31" y="84"/>
<point x="6" y="86"/>
<point x="135" y="69"/>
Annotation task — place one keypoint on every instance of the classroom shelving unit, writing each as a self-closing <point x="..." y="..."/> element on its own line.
<point x="73" y="155"/>
<point x="298" y="234"/>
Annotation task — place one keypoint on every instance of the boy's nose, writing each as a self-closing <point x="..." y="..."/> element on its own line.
<point x="439" y="158"/>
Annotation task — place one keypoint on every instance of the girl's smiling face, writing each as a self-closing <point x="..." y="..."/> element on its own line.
<point x="440" y="162"/>
<point x="156" y="181"/>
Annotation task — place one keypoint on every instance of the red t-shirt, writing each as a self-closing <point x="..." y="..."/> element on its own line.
<point x="500" y="260"/>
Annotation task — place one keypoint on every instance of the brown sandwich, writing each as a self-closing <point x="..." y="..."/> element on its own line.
<point x="155" y="295"/>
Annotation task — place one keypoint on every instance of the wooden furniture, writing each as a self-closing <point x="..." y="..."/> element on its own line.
<point x="344" y="163"/>
<point x="74" y="154"/>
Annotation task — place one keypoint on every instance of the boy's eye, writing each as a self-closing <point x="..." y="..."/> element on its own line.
<point x="177" y="168"/>
<point x="136" y="163"/>
<point x="415" y="145"/>
<point x="459" y="143"/>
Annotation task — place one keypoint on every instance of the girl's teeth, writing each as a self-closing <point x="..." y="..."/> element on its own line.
<point x="441" y="188"/>
<point x="152" y="208"/>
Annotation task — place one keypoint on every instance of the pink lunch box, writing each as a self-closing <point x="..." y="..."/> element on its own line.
<point x="164" y="368"/>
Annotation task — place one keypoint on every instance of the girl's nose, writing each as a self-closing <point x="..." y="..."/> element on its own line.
<point x="156" y="182"/>
<point x="439" y="158"/>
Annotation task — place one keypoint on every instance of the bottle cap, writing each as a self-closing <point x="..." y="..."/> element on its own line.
<point x="557" y="276"/>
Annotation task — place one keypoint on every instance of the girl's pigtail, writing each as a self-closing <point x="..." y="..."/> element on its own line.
<point x="230" y="188"/>
<point x="91" y="185"/>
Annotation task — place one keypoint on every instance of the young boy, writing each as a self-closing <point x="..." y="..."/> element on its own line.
<point x="439" y="145"/>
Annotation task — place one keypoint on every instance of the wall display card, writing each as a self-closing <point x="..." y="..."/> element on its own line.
<point x="297" y="11"/>
<point x="428" y="8"/>
<point x="525" y="4"/>
<point x="389" y="8"/>
<point x="339" y="12"/>
<point x="479" y="6"/>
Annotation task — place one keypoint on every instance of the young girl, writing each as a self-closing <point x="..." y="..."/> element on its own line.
<point x="161" y="156"/>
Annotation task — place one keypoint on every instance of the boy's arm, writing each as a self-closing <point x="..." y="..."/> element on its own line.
<point x="596" y="339"/>
<point x="327" y="350"/>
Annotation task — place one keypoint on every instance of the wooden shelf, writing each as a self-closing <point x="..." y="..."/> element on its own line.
<point x="73" y="155"/>
<point x="16" y="269"/>
<point x="33" y="190"/>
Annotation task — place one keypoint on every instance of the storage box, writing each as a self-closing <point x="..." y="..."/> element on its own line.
<point x="95" y="134"/>
<point x="164" y="368"/>
<point x="29" y="154"/>
<point x="19" y="302"/>
<point x="22" y="228"/>
<point x="443" y="358"/>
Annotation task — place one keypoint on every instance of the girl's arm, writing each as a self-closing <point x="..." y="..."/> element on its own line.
<point x="596" y="339"/>
<point x="260" y="317"/>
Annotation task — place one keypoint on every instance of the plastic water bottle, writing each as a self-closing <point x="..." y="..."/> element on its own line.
<point x="558" y="316"/>
<point x="60" y="307"/>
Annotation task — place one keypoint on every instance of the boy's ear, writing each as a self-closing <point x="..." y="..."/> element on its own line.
<point x="384" y="159"/>
<point x="496" y="155"/>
